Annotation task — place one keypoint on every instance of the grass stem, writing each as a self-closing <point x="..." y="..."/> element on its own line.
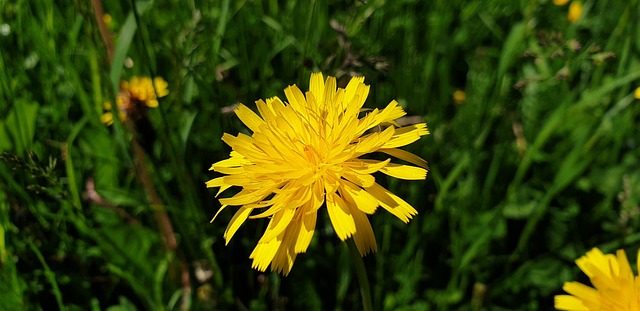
<point x="361" y="272"/>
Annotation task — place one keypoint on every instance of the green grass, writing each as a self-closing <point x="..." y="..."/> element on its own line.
<point x="536" y="166"/>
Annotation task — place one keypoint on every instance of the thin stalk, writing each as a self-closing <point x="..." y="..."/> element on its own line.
<point x="361" y="272"/>
<point x="105" y="33"/>
<point x="49" y="275"/>
<point x="161" y="216"/>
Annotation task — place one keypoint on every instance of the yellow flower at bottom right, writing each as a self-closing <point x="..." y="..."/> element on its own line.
<point x="615" y="287"/>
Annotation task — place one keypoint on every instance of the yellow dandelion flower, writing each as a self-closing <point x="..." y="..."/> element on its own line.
<point x="142" y="89"/>
<point x="636" y="93"/>
<point x="575" y="11"/>
<point x="135" y="97"/>
<point x="560" y="2"/>
<point x="305" y="154"/>
<point x="615" y="287"/>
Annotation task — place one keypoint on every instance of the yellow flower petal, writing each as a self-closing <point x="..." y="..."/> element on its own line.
<point x="340" y="215"/>
<point x="307" y="228"/>
<point x="363" y="237"/>
<point x="278" y="223"/>
<point x="362" y="180"/>
<point x="359" y="197"/>
<point x="235" y="223"/>
<point x="579" y="290"/>
<point x="285" y="256"/>
<point x="152" y="103"/>
<point x="406" y="135"/>
<point x="316" y="86"/>
<point x="143" y="90"/>
<point x="404" y="171"/>
<point x="161" y="86"/>
<point x="246" y="197"/>
<point x="566" y="302"/>
<point x="376" y="117"/>
<point x="406" y="156"/>
<point x="107" y="118"/>
<point x="218" y="182"/>
<point x="264" y="252"/>
<point x="373" y="141"/>
<point x="352" y="88"/>
<point x="296" y="99"/>
<point x="249" y="118"/>
<point x="217" y="213"/>
<point x="392" y="203"/>
<point x="366" y="166"/>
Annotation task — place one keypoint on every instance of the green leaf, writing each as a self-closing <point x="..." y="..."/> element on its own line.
<point x="512" y="47"/>
<point x="188" y="118"/>
<point x="125" y="37"/>
<point x="123" y="305"/>
<point x="5" y="139"/>
<point x="21" y="124"/>
<point x="11" y="288"/>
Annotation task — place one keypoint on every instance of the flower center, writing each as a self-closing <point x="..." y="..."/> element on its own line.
<point x="312" y="155"/>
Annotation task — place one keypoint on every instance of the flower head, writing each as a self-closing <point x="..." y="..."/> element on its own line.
<point x="575" y="11"/>
<point x="615" y="287"/>
<point x="459" y="96"/>
<point x="136" y="97"/>
<point x="307" y="153"/>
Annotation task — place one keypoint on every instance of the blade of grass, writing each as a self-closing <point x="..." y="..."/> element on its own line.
<point x="125" y="38"/>
<point x="71" y="175"/>
<point x="49" y="275"/>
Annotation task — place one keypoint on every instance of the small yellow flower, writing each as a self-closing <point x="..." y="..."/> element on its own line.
<point x="615" y="287"/>
<point x="636" y="93"/>
<point x="459" y="96"/>
<point x="107" y="19"/>
<point x="306" y="154"/>
<point x="135" y="97"/>
<point x="575" y="11"/>
<point x="107" y="116"/>
<point x="560" y="2"/>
